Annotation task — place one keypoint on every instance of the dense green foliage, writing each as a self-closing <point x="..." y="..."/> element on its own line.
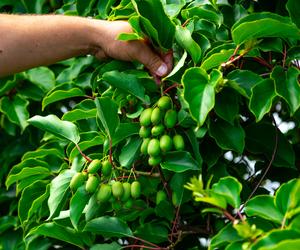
<point x="195" y="170"/>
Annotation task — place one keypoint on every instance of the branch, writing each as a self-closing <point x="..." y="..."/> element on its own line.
<point x="84" y="155"/>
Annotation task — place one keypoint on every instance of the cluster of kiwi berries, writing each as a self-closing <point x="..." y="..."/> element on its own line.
<point x="157" y="125"/>
<point x="109" y="190"/>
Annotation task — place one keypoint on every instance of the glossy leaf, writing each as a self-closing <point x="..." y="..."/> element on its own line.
<point x="264" y="207"/>
<point x="230" y="188"/>
<point x="152" y="232"/>
<point x="130" y="152"/>
<point x="16" y="110"/>
<point x="179" y="161"/>
<point x="83" y="110"/>
<point x="292" y="7"/>
<point x="52" y="124"/>
<point x="260" y="25"/>
<point x="199" y="93"/>
<point x="108" y="227"/>
<point x="111" y="246"/>
<point x="287" y="86"/>
<point x="43" y="77"/>
<point x="227" y="136"/>
<point x="216" y="59"/>
<point x="261" y="98"/>
<point x="107" y="111"/>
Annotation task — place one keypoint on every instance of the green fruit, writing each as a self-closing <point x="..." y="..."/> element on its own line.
<point x="104" y="193"/>
<point x="117" y="189"/>
<point x="153" y="161"/>
<point x="153" y="148"/>
<point x="164" y="102"/>
<point x="160" y="196"/>
<point x="145" y="117"/>
<point x="92" y="184"/>
<point x="135" y="189"/>
<point x="127" y="191"/>
<point x="165" y="143"/>
<point x="77" y="180"/>
<point x="178" y="142"/>
<point x="94" y="166"/>
<point x="144" y="146"/>
<point x="175" y="200"/>
<point x="157" y="130"/>
<point x="145" y="132"/>
<point x="128" y="204"/>
<point x="156" y="116"/>
<point x="106" y="168"/>
<point x="170" y="119"/>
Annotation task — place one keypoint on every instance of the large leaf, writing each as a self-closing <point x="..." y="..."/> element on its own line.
<point x="199" y="93"/>
<point x="59" y="190"/>
<point x="59" y="232"/>
<point x="293" y="9"/>
<point x="184" y="39"/>
<point x="264" y="207"/>
<point x="179" y="161"/>
<point x="227" y="136"/>
<point x="260" y="25"/>
<point x="260" y="139"/>
<point x="261" y="98"/>
<point x="284" y="245"/>
<point x="153" y="232"/>
<point x="52" y="124"/>
<point x="43" y="77"/>
<point x="77" y="204"/>
<point x="155" y="21"/>
<point x="287" y="86"/>
<point x="83" y="110"/>
<point x="108" y="227"/>
<point x="130" y="152"/>
<point x="216" y="59"/>
<point x="107" y="111"/>
<point x="16" y="110"/>
<point x="230" y="188"/>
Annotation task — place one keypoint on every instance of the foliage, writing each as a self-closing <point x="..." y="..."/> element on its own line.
<point x="234" y="84"/>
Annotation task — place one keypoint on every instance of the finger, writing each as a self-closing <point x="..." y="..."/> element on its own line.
<point x="100" y="55"/>
<point x="168" y="59"/>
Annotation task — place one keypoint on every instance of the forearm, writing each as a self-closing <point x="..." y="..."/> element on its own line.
<point x="30" y="41"/>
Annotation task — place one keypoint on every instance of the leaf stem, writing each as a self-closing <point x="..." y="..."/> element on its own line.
<point x="83" y="155"/>
<point x="150" y="174"/>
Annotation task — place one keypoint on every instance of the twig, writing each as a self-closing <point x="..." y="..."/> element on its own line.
<point x="150" y="174"/>
<point x="165" y="183"/>
<point x="84" y="155"/>
<point x="284" y="56"/>
<point x="171" y="87"/>
<point x="175" y="222"/>
<point x="262" y="62"/>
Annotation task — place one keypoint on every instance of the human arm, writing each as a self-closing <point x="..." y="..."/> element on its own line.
<point x="29" y="41"/>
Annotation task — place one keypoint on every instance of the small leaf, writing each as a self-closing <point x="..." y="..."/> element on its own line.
<point x="108" y="227"/>
<point x="52" y="124"/>
<point x="111" y="246"/>
<point x="153" y="232"/>
<point x="107" y="111"/>
<point x="77" y="204"/>
<point x="43" y="77"/>
<point x="287" y="86"/>
<point x="227" y="136"/>
<point x="264" y="207"/>
<point x="216" y="59"/>
<point x="230" y="188"/>
<point x="284" y="245"/>
<point x="129" y="37"/>
<point x="261" y="98"/>
<point x="199" y="93"/>
<point x="179" y="161"/>
<point x="83" y="110"/>
<point x="130" y="152"/>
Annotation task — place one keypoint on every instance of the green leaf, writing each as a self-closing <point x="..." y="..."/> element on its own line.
<point x="59" y="190"/>
<point x="108" y="227"/>
<point x="216" y="59"/>
<point x="77" y="204"/>
<point x="42" y="77"/>
<point x="227" y="136"/>
<point x="52" y="124"/>
<point x="153" y="232"/>
<point x="129" y="83"/>
<point x="178" y="66"/>
<point x="184" y="38"/>
<point x="265" y="24"/>
<point x="16" y="110"/>
<point x="107" y="111"/>
<point x="177" y="185"/>
<point x="225" y="236"/>
<point x="7" y="84"/>
<point x="156" y="23"/>
<point x="129" y="37"/>
<point x="293" y="9"/>
<point x="243" y="81"/>
<point x="83" y="110"/>
<point x="261" y="98"/>
<point x="230" y="188"/>
<point x="274" y="237"/>
<point x="199" y="93"/>
<point x="287" y="86"/>
<point x="37" y="203"/>
<point x="130" y="152"/>
<point x="260" y="139"/>
<point x="84" y="7"/>
<point x="284" y="245"/>
<point x="59" y="95"/>
<point x="59" y="232"/>
<point x="179" y="161"/>
<point x="227" y="105"/>
<point x="111" y="246"/>
<point x="125" y="130"/>
<point x="264" y="207"/>
<point x="8" y="221"/>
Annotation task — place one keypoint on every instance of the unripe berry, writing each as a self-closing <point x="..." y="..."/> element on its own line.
<point x="104" y="193"/>
<point x="117" y="189"/>
<point x="160" y="196"/>
<point x="145" y="117"/>
<point x="157" y="130"/>
<point x="94" y="166"/>
<point x="77" y="180"/>
<point x="145" y="132"/>
<point x="154" y="160"/>
<point x="135" y="189"/>
<point x="178" y="142"/>
<point x="144" y="146"/>
<point x="156" y="116"/>
<point x="165" y="143"/>
<point x="170" y="119"/>
<point x="106" y="168"/>
<point x="127" y="191"/>
<point x="153" y="147"/>
<point x="92" y="184"/>
<point x="164" y="103"/>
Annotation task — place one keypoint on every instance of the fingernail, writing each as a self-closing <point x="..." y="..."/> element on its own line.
<point x="162" y="70"/>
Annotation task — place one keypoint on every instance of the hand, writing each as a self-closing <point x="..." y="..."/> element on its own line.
<point x="107" y="45"/>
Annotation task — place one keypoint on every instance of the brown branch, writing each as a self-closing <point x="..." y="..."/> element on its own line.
<point x="84" y="155"/>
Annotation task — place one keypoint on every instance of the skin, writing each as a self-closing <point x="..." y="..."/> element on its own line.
<point x="30" y="41"/>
